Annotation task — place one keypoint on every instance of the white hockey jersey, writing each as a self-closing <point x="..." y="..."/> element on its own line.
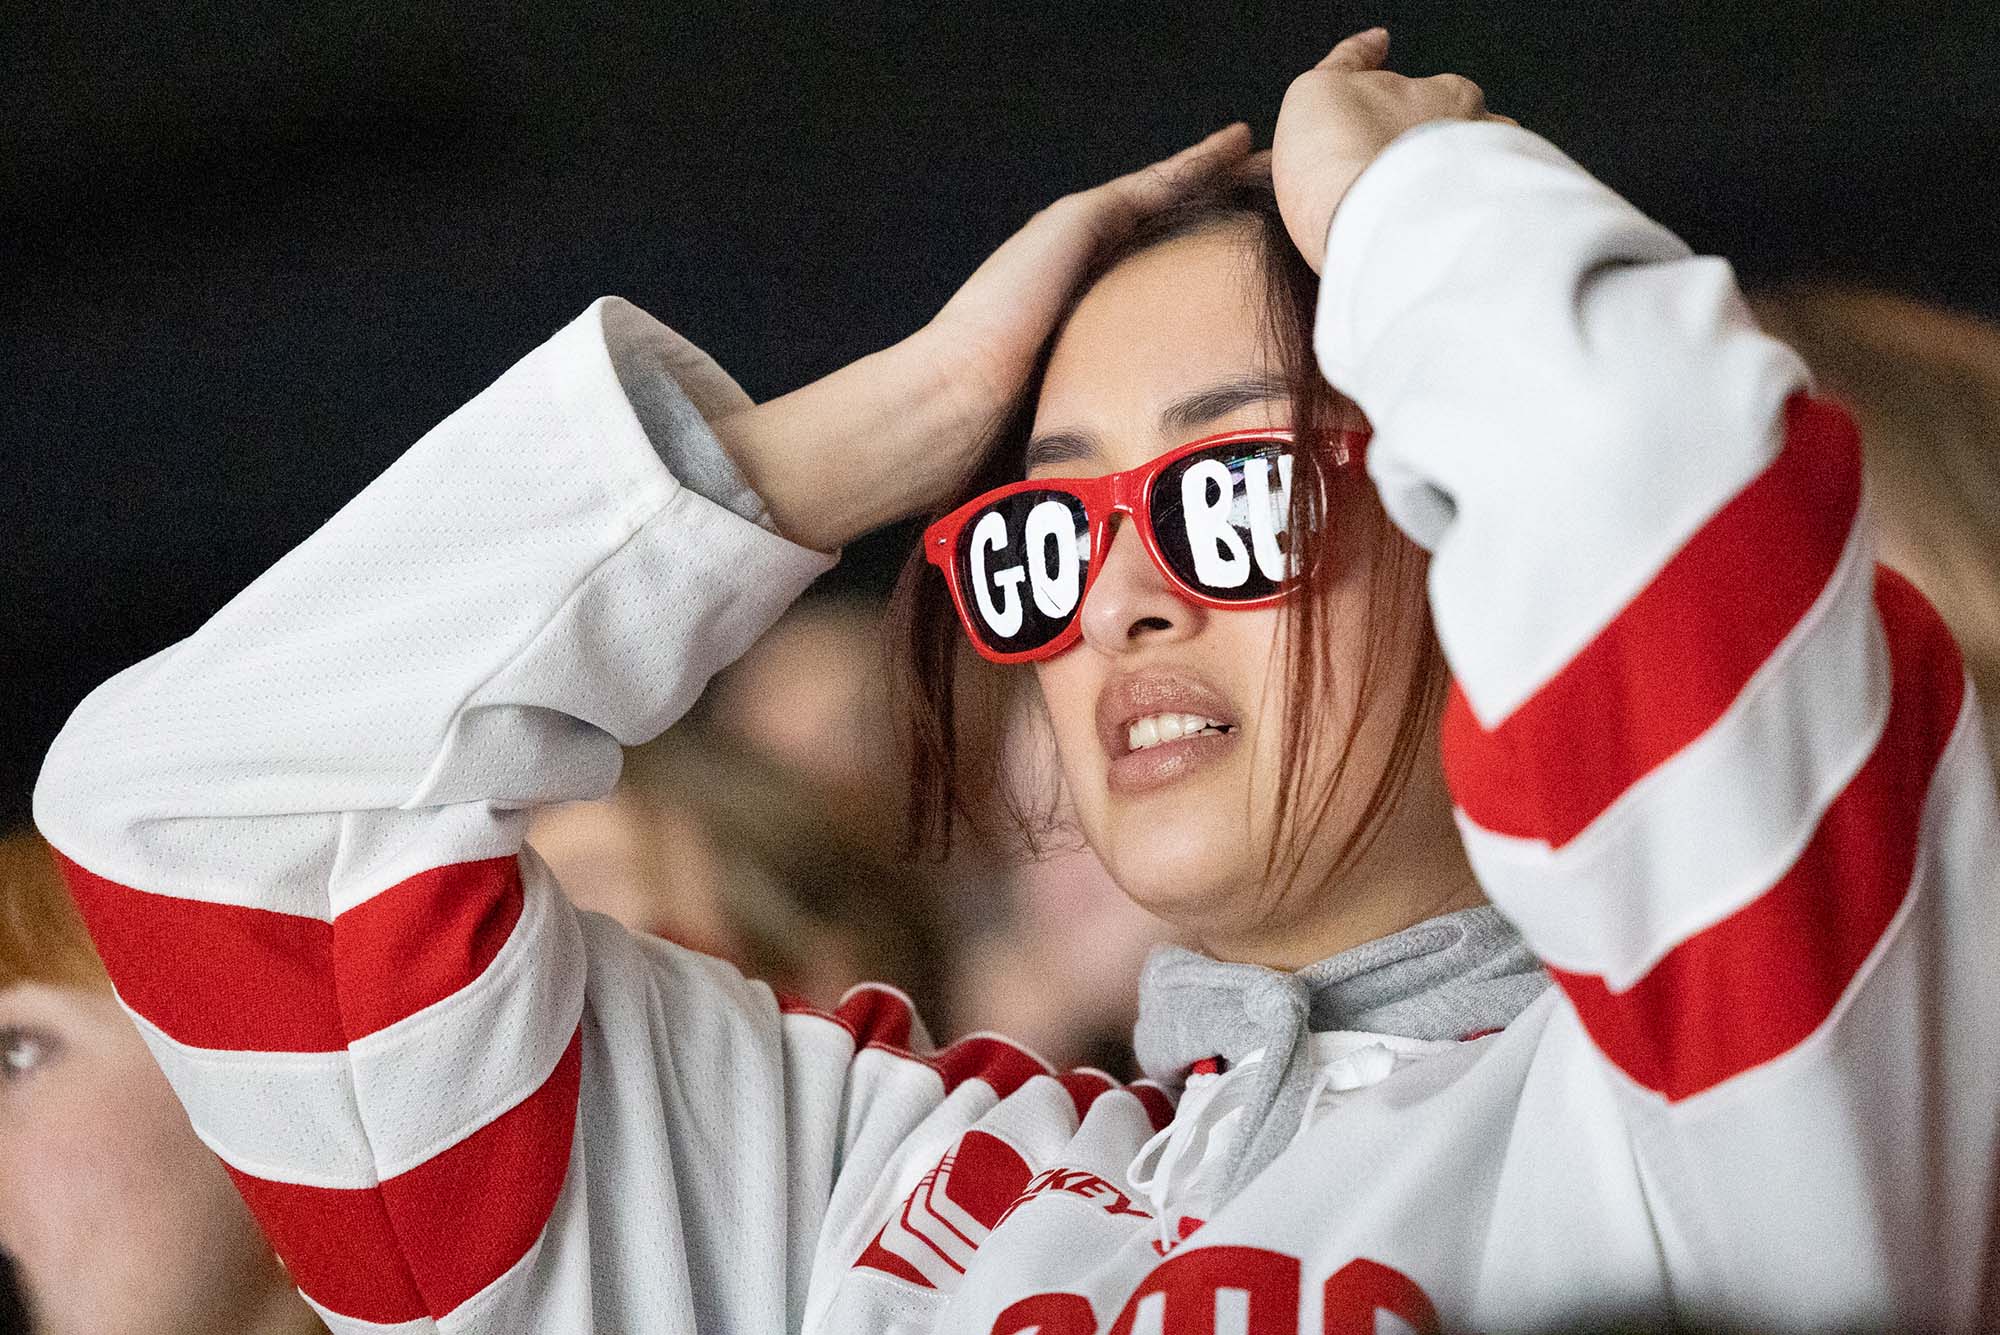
<point x="1721" y="770"/>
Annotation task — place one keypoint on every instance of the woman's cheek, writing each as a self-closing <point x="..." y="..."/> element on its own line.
<point x="68" y="1208"/>
<point x="120" y="1219"/>
<point x="1069" y="684"/>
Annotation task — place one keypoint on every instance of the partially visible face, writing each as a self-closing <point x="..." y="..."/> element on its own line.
<point x="117" y="1218"/>
<point x="1186" y="826"/>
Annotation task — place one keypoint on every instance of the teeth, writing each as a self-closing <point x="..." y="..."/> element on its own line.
<point x="1157" y="728"/>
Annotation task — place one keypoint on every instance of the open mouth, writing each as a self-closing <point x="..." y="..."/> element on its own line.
<point x="1159" y="726"/>
<point x="1153" y="730"/>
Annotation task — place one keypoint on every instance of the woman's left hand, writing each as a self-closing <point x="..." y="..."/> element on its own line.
<point x="1338" y="116"/>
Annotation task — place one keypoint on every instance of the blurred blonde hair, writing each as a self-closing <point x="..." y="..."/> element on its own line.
<point x="803" y="874"/>
<point x="1924" y="386"/>
<point x="42" y="939"/>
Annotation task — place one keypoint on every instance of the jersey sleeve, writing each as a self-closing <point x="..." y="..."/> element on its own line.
<point x="453" y="1101"/>
<point x="1720" y="767"/>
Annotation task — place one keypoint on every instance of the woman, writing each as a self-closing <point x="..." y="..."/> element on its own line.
<point x="118" y="1219"/>
<point x="1717" y="770"/>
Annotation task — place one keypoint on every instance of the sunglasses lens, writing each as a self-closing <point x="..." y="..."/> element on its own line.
<point x="1222" y="517"/>
<point x="1022" y="564"/>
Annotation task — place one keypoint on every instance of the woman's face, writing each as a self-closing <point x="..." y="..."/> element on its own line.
<point x="1167" y="348"/>
<point x="117" y="1218"/>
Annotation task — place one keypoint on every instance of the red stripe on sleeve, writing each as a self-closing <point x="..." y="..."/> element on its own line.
<point x="1677" y="656"/>
<point x="1756" y="984"/>
<point x="421" y="940"/>
<point x="881" y="1018"/>
<point x="1159" y="1108"/>
<point x="426" y="1240"/>
<point x="878" y="1016"/>
<point x="338" y="1246"/>
<point x="214" y="975"/>
<point x="1084" y="1088"/>
<point x="467" y="1214"/>
<point x="1004" y="1065"/>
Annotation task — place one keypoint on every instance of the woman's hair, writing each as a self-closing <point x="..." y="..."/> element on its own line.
<point x="804" y="880"/>
<point x="1924" y="387"/>
<point x="956" y="705"/>
<point x="42" y="939"/>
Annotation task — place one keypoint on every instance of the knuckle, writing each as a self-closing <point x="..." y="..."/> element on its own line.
<point x="1069" y="205"/>
<point x="1460" y="89"/>
<point x="1094" y="212"/>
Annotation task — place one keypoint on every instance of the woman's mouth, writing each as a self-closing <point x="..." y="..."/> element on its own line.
<point x="1158" y="728"/>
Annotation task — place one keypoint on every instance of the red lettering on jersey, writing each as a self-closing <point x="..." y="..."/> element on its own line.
<point x="1188" y="1289"/>
<point x="1048" y="1314"/>
<point x="1076" y="1182"/>
<point x="1361" y="1288"/>
<point x="931" y="1239"/>
<point x="1191" y="1283"/>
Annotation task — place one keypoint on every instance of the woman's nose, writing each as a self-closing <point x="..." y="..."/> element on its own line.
<point x="1130" y="604"/>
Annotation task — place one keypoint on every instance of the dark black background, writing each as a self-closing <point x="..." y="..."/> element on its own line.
<point x="251" y="258"/>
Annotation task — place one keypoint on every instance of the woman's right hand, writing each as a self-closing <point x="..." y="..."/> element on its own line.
<point x="895" y="432"/>
<point x="999" y="318"/>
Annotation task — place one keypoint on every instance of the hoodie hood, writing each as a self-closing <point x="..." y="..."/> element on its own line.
<point x="1449" y="977"/>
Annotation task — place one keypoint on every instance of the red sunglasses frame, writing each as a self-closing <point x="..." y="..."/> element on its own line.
<point x="1129" y="493"/>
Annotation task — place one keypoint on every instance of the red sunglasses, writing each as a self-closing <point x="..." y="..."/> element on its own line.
<point x="1212" y="515"/>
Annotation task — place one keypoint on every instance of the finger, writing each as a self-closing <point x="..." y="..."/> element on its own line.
<point x="1471" y="99"/>
<point x="1504" y="120"/>
<point x="1155" y="186"/>
<point x="1231" y="141"/>
<point x="1256" y="167"/>
<point x="1362" y="51"/>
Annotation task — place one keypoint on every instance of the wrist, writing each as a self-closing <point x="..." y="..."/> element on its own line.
<point x="875" y="441"/>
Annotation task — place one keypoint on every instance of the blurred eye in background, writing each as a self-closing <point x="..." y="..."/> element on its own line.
<point x="22" y="1052"/>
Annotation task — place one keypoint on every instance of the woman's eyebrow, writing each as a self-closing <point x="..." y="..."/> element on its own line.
<point x="1058" y="447"/>
<point x="1183" y="417"/>
<point x="1190" y="412"/>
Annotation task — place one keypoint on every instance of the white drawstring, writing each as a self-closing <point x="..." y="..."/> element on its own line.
<point x="1168" y="1171"/>
<point x="1201" y="1131"/>
<point x="1355" y="1069"/>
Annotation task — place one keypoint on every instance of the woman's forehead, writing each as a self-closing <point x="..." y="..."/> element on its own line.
<point x="1169" y="343"/>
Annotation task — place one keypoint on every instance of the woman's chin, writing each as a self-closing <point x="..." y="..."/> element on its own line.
<point x="1182" y="871"/>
